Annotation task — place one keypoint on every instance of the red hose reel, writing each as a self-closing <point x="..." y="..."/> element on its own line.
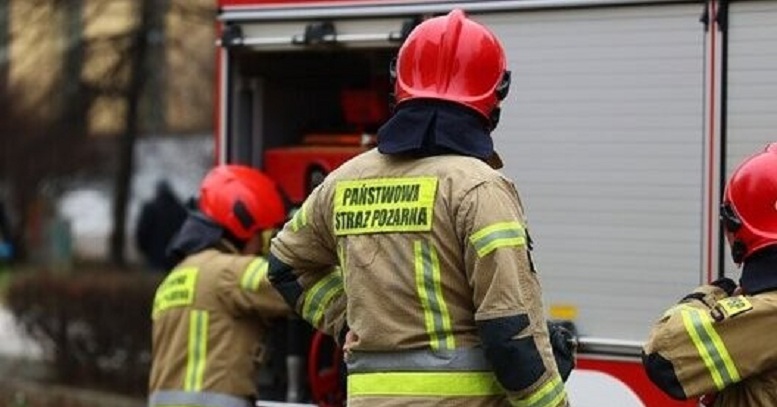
<point x="324" y="372"/>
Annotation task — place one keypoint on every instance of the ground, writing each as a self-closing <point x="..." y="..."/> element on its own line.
<point x="24" y="393"/>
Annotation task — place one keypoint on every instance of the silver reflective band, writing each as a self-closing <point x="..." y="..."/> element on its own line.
<point x="195" y="399"/>
<point x="464" y="359"/>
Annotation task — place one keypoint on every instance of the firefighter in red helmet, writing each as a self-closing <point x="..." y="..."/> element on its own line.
<point x="211" y="312"/>
<point x="717" y="342"/>
<point x="444" y="304"/>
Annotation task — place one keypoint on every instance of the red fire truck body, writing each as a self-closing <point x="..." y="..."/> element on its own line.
<point x="624" y="119"/>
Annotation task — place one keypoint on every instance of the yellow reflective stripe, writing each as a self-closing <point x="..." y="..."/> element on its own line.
<point x="551" y="394"/>
<point x="254" y="274"/>
<point x="319" y="295"/>
<point x="343" y="261"/>
<point x="267" y="236"/>
<point x="447" y="328"/>
<point x="710" y="347"/>
<point x="503" y="234"/>
<point x="198" y="350"/>
<point x="384" y="205"/>
<point x="300" y="218"/>
<point x="428" y="284"/>
<point x="425" y="384"/>
<point x="177" y="290"/>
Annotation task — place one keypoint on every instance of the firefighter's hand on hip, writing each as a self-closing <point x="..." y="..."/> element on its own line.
<point x="350" y="339"/>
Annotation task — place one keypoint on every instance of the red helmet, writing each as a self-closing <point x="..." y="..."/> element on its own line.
<point x="456" y="59"/>
<point x="749" y="209"/>
<point x="241" y="199"/>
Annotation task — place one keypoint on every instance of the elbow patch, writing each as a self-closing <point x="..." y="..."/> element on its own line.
<point x="661" y="373"/>
<point x="282" y="277"/>
<point x="517" y="363"/>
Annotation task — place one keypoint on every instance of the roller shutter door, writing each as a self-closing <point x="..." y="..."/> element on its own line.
<point x="602" y="133"/>
<point x="752" y="83"/>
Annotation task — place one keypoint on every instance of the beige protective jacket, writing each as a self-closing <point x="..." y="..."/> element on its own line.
<point x="428" y="248"/>
<point x="715" y="344"/>
<point x="209" y="318"/>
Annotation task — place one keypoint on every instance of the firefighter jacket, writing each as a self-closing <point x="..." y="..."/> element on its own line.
<point x="717" y="343"/>
<point x="209" y="318"/>
<point x="433" y="252"/>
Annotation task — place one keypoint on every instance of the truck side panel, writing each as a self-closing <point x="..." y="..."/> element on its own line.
<point x="603" y="134"/>
<point x="752" y="85"/>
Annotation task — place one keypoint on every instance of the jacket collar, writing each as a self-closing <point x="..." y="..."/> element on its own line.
<point x="759" y="272"/>
<point x="424" y="128"/>
<point x="198" y="233"/>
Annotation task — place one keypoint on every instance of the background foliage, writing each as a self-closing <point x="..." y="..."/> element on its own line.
<point x="94" y="327"/>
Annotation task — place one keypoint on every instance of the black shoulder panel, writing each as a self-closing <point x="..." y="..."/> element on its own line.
<point x="661" y="373"/>
<point x="517" y="362"/>
<point x="282" y="277"/>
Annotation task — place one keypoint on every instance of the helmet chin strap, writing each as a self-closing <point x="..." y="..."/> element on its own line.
<point x="502" y="89"/>
<point x="732" y="224"/>
<point x="738" y="251"/>
<point x="494" y="118"/>
<point x="392" y="80"/>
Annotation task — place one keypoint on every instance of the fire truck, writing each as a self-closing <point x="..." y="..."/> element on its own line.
<point x="623" y="121"/>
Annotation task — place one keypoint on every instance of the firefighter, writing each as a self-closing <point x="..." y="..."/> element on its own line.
<point x="717" y="342"/>
<point x="443" y="301"/>
<point x="212" y="311"/>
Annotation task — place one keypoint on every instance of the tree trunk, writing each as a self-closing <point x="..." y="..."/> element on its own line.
<point x="153" y="102"/>
<point x="5" y="45"/>
<point x="74" y="104"/>
<point x="126" y="144"/>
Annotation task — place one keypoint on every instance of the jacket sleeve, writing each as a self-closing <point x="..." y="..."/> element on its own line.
<point x="245" y="289"/>
<point x="322" y="303"/>
<point x="507" y="295"/>
<point x="304" y="265"/>
<point x="709" y="341"/>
